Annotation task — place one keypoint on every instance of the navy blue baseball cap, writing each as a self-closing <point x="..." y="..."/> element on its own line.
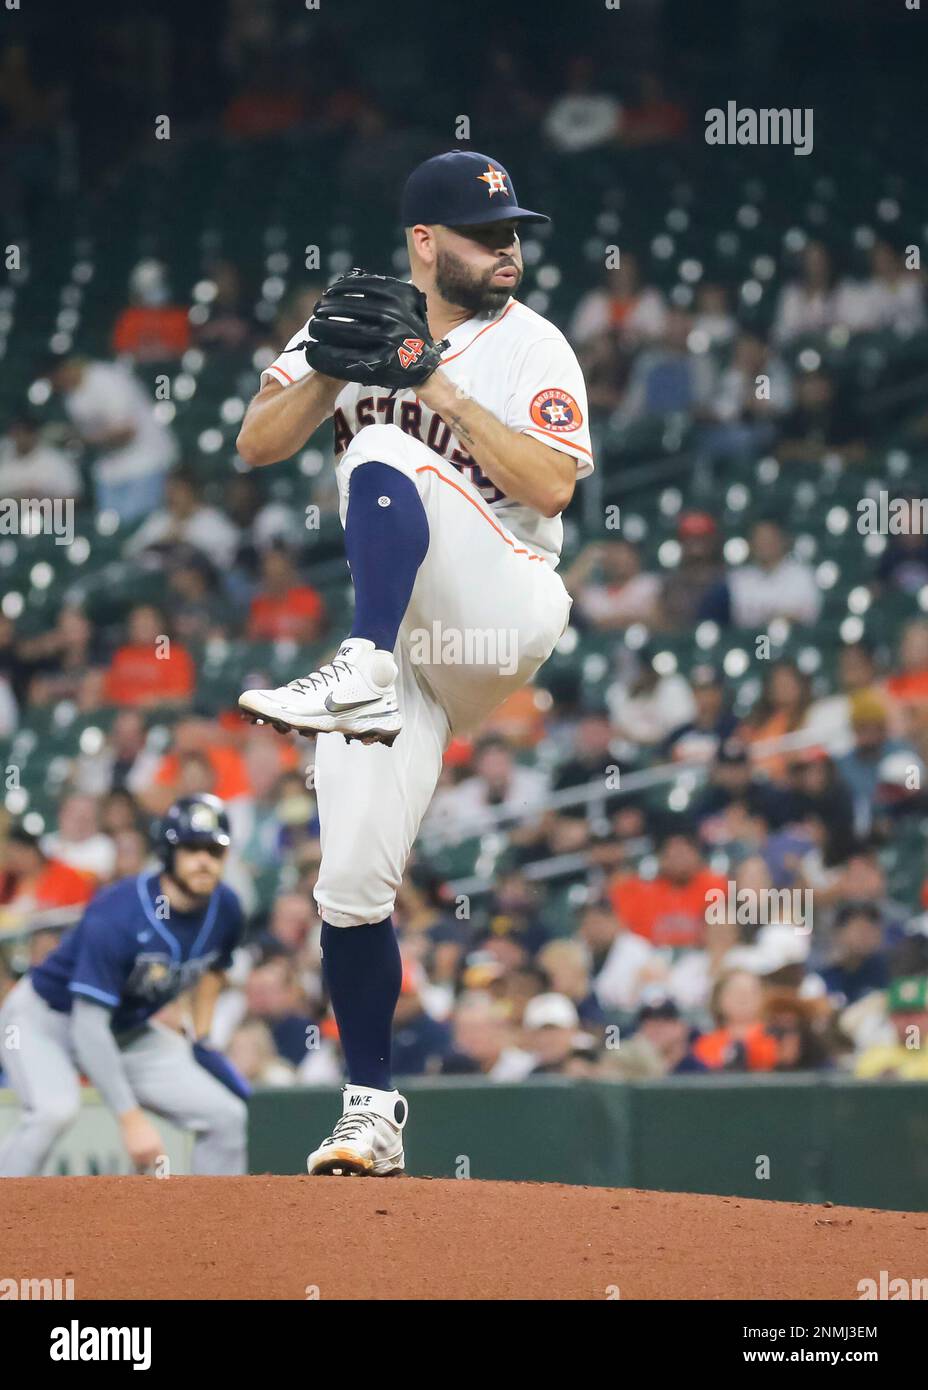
<point x="462" y="189"/>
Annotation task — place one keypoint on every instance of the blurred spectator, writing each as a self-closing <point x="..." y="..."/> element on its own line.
<point x="292" y="920"/>
<point x="31" y="118"/>
<point x="830" y="717"/>
<point x="551" y="1034"/>
<point x="700" y="738"/>
<point x="782" y="709"/>
<point x="429" y="928"/>
<point x="807" y="305"/>
<point x="645" y="705"/>
<point x="132" y="855"/>
<point x="685" y="588"/>
<point x="892" y="297"/>
<point x="198" y="741"/>
<point x="482" y="1042"/>
<point x="151" y="329"/>
<point x="591" y="754"/>
<point x="861" y="769"/>
<point x="712" y="316"/>
<point x="420" y="1042"/>
<point x="655" y="118"/>
<point x="620" y="957"/>
<point x="284" y="608"/>
<point x="634" y="314"/>
<point x="567" y="966"/>
<point x="907" y="1058"/>
<point x="186" y="520"/>
<point x="582" y="117"/>
<point x="732" y="778"/>
<point x="78" y="841"/>
<point x="498" y="782"/>
<point x="609" y="588"/>
<point x="223" y="323"/>
<point x="773" y="584"/>
<point x="859" y="961"/>
<point x="64" y="660"/>
<point x="521" y="719"/>
<point x="822" y="806"/>
<point x="739" y="1042"/>
<point x="150" y="669"/>
<point x="118" y="811"/>
<point x="800" y="1029"/>
<point x="505" y="106"/>
<point x="272" y="995"/>
<point x="32" y="467"/>
<point x="513" y="930"/>
<point x="754" y="391"/>
<point x="31" y="881"/>
<point x="199" y="609"/>
<point x="669" y="909"/>
<point x="661" y="1025"/>
<point x="669" y="377"/>
<point x="903" y="564"/>
<point x="115" y="419"/>
<point x="518" y="986"/>
<point x="821" y="420"/>
<point x="908" y="686"/>
<point x="269" y="102"/>
<point x="121" y="761"/>
<point x="251" y="1050"/>
<point x="260" y="524"/>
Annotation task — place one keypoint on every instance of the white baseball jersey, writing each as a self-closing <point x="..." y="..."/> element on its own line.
<point x="515" y="364"/>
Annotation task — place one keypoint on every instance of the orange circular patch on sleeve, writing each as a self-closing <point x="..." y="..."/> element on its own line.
<point x="556" y="410"/>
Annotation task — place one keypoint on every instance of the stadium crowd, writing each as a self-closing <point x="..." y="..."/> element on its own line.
<point x="800" y="793"/>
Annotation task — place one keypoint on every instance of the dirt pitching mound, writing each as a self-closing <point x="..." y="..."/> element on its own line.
<point x="377" y="1238"/>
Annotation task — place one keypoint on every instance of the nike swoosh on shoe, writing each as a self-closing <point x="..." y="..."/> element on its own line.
<point x="335" y="708"/>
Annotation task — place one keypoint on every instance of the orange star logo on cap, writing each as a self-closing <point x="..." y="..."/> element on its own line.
<point x="495" y="179"/>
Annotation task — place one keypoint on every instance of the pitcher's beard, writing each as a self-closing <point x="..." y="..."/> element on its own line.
<point x="457" y="284"/>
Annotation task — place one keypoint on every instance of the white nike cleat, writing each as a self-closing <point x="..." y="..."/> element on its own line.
<point x="368" y="1139"/>
<point x="355" y="695"/>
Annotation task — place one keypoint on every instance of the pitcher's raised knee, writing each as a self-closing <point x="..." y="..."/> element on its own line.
<point x="383" y="444"/>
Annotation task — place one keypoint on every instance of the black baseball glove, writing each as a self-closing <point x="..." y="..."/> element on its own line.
<point x="373" y="329"/>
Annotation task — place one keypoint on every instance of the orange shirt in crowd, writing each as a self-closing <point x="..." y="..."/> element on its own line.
<point x="232" y="778"/>
<point x="138" y="675"/>
<point x="150" y="333"/>
<point x="912" y="686"/>
<point x="777" y="725"/>
<point x="520" y="718"/>
<point x="760" y="1049"/>
<point x="665" y="913"/>
<point x="295" y="614"/>
<point x="55" y="885"/>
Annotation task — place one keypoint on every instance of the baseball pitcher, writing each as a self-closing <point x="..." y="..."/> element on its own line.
<point x="88" y="1007"/>
<point x="460" y="423"/>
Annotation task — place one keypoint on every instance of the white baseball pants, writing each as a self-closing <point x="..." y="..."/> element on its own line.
<point x="480" y="593"/>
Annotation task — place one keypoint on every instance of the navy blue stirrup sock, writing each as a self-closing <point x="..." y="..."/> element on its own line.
<point x="363" y="973"/>
<point x="386" y="540"/>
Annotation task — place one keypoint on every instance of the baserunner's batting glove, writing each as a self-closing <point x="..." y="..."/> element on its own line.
<point x="373" y="329"/>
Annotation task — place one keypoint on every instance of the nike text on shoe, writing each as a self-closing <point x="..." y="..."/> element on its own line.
<point x="355" y="695"/>
<point x="368" y="1139"/>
